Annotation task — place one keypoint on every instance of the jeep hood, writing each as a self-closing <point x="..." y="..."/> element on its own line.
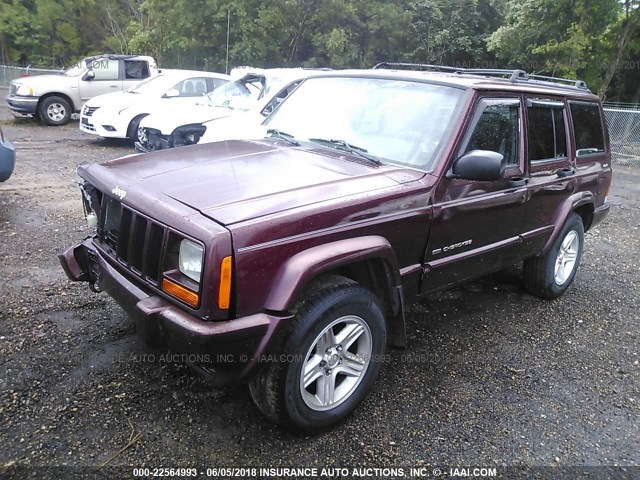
<point x="234" y="181"/>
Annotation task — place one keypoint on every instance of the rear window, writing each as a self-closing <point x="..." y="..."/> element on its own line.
<point x="587" y="128"/>
<point x="547" y="137"/>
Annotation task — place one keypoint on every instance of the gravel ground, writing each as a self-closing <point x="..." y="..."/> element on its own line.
<point x="492" y="376"/>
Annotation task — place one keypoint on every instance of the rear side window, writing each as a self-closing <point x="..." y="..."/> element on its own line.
<point x="546" y="132"/>
<point x="135" y="70"/>
<point x="192" y="87"/>
<point x="587" y="128"/>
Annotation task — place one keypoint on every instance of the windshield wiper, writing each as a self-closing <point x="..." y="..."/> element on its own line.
<point x="283" y="135"/>
<point x="347" y="147"/>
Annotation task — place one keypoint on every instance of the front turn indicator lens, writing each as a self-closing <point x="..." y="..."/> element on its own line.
<point x="187" y="296"/>
<point x="224" y="292"/>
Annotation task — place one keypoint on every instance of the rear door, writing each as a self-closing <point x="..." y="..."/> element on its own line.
<point x="476" y="224"/>
<point x="592" y="156"/>
<point x="551" y="171"/>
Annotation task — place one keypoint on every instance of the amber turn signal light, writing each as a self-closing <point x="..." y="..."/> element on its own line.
<point x="224" y="292"/>
<point x="178" y="291"/>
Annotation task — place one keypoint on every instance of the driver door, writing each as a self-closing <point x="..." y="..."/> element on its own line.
<point x="106" y="79"/>
<point x="476" y="224"/>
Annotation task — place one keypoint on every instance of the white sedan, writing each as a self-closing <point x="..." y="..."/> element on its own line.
<point x="250" y="98"/>
<point x="118" y="115"/>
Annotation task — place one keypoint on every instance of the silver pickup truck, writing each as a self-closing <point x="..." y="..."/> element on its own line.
<point x="53" y="98"/>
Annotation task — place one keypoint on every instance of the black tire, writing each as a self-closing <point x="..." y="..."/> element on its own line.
<point x="540" y="272"/>
<point x="54" y="111"/>
<point x="277" y="391"/>
<point x="132" y="131"/>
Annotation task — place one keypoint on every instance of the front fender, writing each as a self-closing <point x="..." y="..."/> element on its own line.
<point x="299" y="270"/>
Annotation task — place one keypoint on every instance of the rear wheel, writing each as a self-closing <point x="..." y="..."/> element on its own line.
<point x="54" y="111"/>
<point x="329" y="361"/>
<point x="550" y="275"/>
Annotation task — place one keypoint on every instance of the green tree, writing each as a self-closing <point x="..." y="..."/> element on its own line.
<point x="555" y="37"/>
<point x="453" y="32"/>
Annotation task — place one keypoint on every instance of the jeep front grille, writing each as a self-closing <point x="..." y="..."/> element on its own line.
<point x="133" y="239"/>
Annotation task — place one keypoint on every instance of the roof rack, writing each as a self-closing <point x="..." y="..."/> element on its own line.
<point x="427" y="66"/>
<point x="575" y="83"/>
<point x="515" y="76"/>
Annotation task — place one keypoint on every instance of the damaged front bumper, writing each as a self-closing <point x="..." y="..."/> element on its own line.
<point x="153" y="140"/>
<point x="235" y="349"/>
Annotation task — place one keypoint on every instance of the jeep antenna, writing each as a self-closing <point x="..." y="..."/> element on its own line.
<point x="226" y="65"/>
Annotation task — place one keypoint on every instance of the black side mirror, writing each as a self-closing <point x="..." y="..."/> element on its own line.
<point x="482" y="165"/>
<point x="90" y="75"/>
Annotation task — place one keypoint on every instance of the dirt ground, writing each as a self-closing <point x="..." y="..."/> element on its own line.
<point x="492" y="376"/>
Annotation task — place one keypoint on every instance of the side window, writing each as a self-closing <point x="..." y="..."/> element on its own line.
<point x="192" y="87"/>
<point x="587" y="128"/>
<point x="213" y="83"/>
<point x="497" y="129"/>
<point x="105" y="69"/>
<point x="278" y="99"/>
<point x="136" y="70"/>
<point x="546" y="132"/>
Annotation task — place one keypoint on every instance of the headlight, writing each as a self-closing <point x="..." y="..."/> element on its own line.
<point x="190" y="259"/>
<point x="25" y="91"/>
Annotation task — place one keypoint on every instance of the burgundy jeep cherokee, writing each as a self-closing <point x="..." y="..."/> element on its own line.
<point x="288" y="261"/>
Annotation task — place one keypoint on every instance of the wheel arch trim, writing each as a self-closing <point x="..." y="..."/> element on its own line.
<point x="299" y="270"/>
<point x="44" y="96"/>
<point x="572" y="204"/>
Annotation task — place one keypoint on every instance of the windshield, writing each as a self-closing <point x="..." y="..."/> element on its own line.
<point x="239" y="95"/>
<point x="399" y="121"/>
<point x="158" y="85"/>
<point x="75" y="70"/>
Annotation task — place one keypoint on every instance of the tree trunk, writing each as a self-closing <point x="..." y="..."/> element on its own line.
<point x="618" y="52"/>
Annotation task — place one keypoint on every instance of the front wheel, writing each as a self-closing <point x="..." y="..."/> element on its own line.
<point x="135" y="133"/>
<point x="329" y="361"/>
<point x="54" y="111"/>
<point x="551" y="274"/>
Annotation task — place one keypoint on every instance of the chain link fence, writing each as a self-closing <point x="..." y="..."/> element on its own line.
<point x="624" y="132"/>
<point x="9" y="72"/>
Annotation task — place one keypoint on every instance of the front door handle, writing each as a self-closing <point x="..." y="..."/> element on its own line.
<point x="566" y="172"/>
<point x="518" y="181"/>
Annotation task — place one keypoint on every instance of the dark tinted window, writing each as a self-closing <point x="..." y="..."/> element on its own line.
<point x="497" y="130"/>
<point x="547" y="137"/>
<point x="587" y="128"/>
<point x="135" y="70"/>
